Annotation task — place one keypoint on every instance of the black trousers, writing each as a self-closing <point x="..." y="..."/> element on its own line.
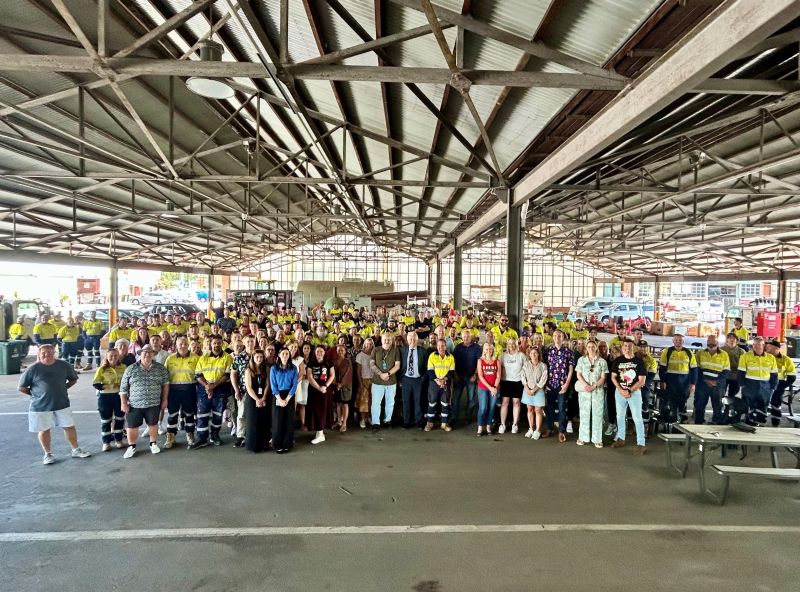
<point x="412" y="400"/>
<point x="181" y="397"/>
<point x="282" y="425"/>
<point x="257" y="419"/>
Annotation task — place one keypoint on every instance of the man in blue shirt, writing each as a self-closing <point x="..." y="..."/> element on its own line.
<point x="413" y="365"/>
<point x="467" y="353"/>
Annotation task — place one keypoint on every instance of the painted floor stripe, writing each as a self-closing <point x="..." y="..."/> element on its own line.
<point x="276" y="531"/>
<point x="74" y="412"/>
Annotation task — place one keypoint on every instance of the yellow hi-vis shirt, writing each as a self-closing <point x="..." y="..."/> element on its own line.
<point x="501" y="337"/>
<point x="17" y="331"/>
<point x="45" y="330"/>
<point x="579" y="334"/>
<point x="110" y="378"/>
<point x="785" y="367"/>
<point x="741" y="333"/>
<point x="69" y="334"/>
<point x="566" y="326"/>
<point x="181" y="370"/>
<point x="118" y="333"/>
<point x="712" y="365"/>
<point x="680" y="362"/>
<point x="650" y="363"/>
<point x="441" y="365"/>
<point x="93" y="328"/>
<point x="758" y="367"/>
<point x="212" y="367"/>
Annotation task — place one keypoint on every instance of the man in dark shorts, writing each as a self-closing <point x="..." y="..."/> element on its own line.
<point x="47" y="382"/>
<point x="144" y="392"/>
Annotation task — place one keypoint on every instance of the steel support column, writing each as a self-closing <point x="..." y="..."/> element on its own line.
<point x="438" y="295"/>
<point x="458" y="277"/>
<point x="781" y="299"/>
<point x="656" y="293"/>
<point x="210" y="281"/>
<point x="113" y="303"/>
<point x="514" y="259"/>
<point x="431" y="296"/>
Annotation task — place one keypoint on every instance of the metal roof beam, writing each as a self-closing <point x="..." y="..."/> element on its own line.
<point x="728" y="31"/>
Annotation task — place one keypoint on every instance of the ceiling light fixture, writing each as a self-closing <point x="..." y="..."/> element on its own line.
<point x="211" y="88"/>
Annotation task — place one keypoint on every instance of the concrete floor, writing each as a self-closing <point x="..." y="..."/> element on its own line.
<point x="456" y="482"/>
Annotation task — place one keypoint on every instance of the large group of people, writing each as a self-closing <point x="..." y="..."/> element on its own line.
<point x="267" y="374"/>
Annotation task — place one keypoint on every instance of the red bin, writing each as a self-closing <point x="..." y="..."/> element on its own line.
<point x="768" y="324"/>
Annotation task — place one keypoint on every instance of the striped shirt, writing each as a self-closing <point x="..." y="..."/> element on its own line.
<point x="143" y="385"/>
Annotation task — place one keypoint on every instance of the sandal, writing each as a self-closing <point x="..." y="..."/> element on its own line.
<point x="562" y="437"/>
<point x="343" y="429"/>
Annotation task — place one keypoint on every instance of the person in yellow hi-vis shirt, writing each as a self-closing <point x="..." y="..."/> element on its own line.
<point x="441" y="370"/>
<point x="213" y="373"/>
<point x="182" y="397"/>
<point x="107" y="380"/>
<point x="502" y="333"/>
<point x="18" y="330"/>
<point x="758" y="377"/>
<point x="68" y="337"/>
<point x="787" y="373"/>
<point x="678" y="368"/>
<point x="94" y="330"/>
<point x="44" y="332"/>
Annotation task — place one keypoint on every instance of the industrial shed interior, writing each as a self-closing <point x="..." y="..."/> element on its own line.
<point x="561" y="146"/>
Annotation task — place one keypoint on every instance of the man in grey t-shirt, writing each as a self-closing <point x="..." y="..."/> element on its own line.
<point x="47" y="382"/>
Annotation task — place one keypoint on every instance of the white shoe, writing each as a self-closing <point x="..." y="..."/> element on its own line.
<point x="580" y="442"/>
<point x="501" y="429"/>
<point x="598" y="445"/>
<point x="569" y="427"/>
<point x="610" y="430"/>
<point x="514" y="429"/>
<point x="154" y="449"/>
<point x="80" y="453"/>
<point x="117" y="443"/>
<point x="129" y="452"/>
<point x="319" y="439"/>
<point x="536" y="435"/>
<point x="106" y="447"/>
<point x="48" y="459"/>
<point x="529" y="434"/>
<point x="161" y="431"/>
<point x="362" y="424"/>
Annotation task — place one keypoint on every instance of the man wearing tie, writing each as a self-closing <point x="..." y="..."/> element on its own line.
<point x="413" y="365"/>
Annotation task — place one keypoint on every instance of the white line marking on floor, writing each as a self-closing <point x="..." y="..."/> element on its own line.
<point x="4" y="413"/>
<point x="263" y="531"/>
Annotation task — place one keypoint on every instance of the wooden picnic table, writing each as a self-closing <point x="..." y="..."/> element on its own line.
<point x="712" y="437"/>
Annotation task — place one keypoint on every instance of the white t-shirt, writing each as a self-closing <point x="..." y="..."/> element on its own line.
<point x="363" y="360"/>
<point x="512" y="366"/>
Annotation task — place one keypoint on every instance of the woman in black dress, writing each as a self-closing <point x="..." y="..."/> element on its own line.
<point x="321" y="376"/>
<point x="283" y="382"/>
<point x="257" y="403"/>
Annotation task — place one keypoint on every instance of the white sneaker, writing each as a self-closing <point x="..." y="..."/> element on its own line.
<point x="129" y="452"/>
<point x="48" y="459"/>
<point x="118" y="444"/>
<point x="106" y="447"/>
<point x="514" y="429"/>
<point x="598" y="445"/>
<point x="154" y="449"/>
<point x="529" y="434"/>
<point x="319" y="439"/>
<point x="362" y="424"/>
<point x="161" y="430"/>
<point x="569" y="427"/>
<point x="501" y="429"/>
<point x="536" y="435"/>
<point x="80" y="453"/>
<point x="580" y="442"/>
<point x="610" y="430"/>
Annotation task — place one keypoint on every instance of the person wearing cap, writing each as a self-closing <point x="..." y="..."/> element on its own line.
<point x="714" y="366"/>
<point x="579" y="332"/>
<point x="758" y="377"/>
<point x="143" y="393"/>
<point x="46" y="382"/>
<point x="617" y="340"/>
<point x="678" y="368"/>
<point x="787" y="373"/>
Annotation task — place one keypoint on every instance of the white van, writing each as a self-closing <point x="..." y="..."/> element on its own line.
<point x="605" y="308"/>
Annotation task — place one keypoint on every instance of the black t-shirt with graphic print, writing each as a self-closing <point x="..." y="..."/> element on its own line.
<point x="628" y="370"/>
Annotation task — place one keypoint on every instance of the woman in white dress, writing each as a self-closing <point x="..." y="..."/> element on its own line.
<point x="300" y="359"/>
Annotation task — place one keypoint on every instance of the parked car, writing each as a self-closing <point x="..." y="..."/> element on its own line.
<point x="605" y="308"/>
<point x="102" y="313"/>
<point x="180" y="307"/>
<point x="154" y="297"/>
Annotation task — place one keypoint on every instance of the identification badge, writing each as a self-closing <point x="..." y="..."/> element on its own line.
<point x="260" y="391"/>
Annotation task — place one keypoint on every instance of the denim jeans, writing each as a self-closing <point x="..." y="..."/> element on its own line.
<point x="556" y="408"/>
<point x="471" y="403"/>
<point x="486" y="404"/>
<point x="379" y="391"/>
<point x="635" y="403"/>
